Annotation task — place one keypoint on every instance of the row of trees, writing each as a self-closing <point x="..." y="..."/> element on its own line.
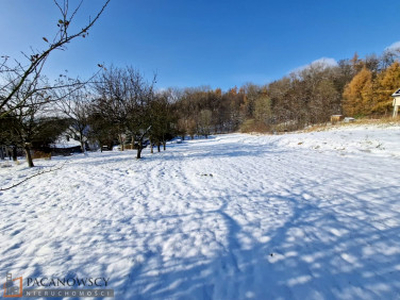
<point x="368" y="92"/>
<point x="26" y="97"/>
<point x="126" y="106"/>
<point x="119" y="106"/>
<point x="354" y="87"/>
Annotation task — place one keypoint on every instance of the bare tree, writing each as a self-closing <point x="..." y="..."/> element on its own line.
<point x="141" y="95"/>
<point x="161" y="120"/>
<point x="124" y="98"/>
<point x="112" y="102"/>
<point x="30" y="126"/>
<point x="74" y="104"/>
<point x="204" y="122"/>
<point x="18" y="75"/>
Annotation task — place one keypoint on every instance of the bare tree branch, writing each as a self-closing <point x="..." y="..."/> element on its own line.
<point x="30" y="177"/>
<point x="37" y="60"/>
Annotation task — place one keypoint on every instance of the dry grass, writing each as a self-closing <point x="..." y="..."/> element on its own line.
<point x="41" y="154"/>
<point x="384" y="122"/>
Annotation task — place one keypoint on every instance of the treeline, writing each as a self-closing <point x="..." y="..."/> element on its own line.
<point x="120" y="107"/>
<point x="354" y="87"/>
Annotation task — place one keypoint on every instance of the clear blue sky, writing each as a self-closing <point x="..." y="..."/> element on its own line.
<point x="217" y="43"/>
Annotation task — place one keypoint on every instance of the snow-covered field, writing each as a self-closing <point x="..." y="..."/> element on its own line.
<point x="296" y="216"/>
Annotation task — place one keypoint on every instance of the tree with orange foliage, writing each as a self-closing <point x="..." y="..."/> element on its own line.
<point x="387" y="82"/>
<point x="358" y="95"/>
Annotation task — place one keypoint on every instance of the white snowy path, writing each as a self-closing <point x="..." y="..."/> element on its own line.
<point x="303" y="216"/>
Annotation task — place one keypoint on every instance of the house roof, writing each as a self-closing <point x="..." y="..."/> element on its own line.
<point x="63" y="143"/>
<point x="396" y="94"/>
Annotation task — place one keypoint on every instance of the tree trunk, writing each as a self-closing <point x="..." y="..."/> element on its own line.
<point x="139" y="150"/>
<point x="158" y="146"/>
<point x="82" y="141"/>
<point x="151" y="146"/>
<point x="28" y="156"/>
<point x="14" y="153"/>
<point x="121" y="142"/>
<point x="165" y="145"/>
<point x="140" y="143"/>
<point x="139" y="153"/>
<point x="82" y="146"/>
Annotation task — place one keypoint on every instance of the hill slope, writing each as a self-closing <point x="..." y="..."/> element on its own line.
<point x="299" y="216"/>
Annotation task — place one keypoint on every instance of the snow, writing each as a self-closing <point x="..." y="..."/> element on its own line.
<point x="63" y="143"/>
<point x="296" y="216"/>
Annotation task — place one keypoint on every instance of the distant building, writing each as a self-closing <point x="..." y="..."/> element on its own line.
<point x="396" y="102"/>
<point x="336" y="118"/>
<point x="65" y="145"/>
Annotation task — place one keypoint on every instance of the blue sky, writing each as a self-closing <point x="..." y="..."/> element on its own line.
<point x="194" y="43"/>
